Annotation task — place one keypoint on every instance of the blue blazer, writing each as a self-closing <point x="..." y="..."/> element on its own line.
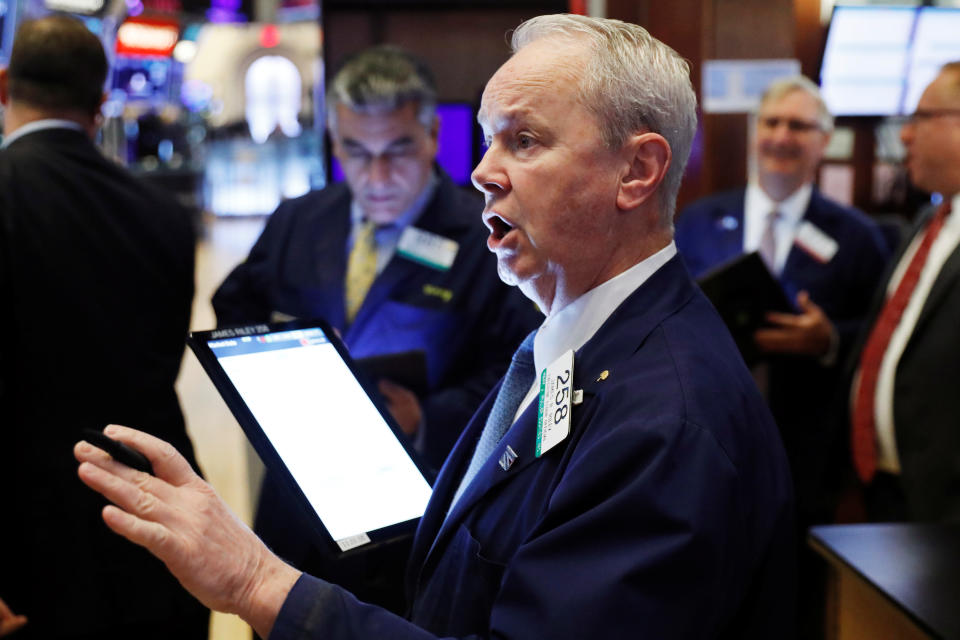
<point x="803" y="393"/>
<point x="666" y="512"/>
<point x="466" y="321"/>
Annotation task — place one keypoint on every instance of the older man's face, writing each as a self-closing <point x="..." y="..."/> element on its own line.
<point x="386" y="158"/>
<point x="789" y="143"/>
<point x="549" y="180"/>
<point x="932" y="137"/>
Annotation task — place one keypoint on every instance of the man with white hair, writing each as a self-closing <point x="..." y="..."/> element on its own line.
<point x="827" y="257"/>
<point x="664" y="510"/>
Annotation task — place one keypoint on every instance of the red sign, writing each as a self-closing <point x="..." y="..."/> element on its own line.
<point x="154" y="37"/>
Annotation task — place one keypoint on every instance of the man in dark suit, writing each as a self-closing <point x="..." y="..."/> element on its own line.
<point x="96" y="274"/>
<point x="647" y="480"/>
<point x="422" y="285"/>
<point x="905" y="407"/>
<point x="827" y="257"/>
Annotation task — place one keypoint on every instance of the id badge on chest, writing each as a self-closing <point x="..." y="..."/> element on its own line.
<point x="556" y="398"/>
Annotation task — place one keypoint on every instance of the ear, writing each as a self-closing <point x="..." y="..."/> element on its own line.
<point x="4" y="87"/>
<point x="648" y="157"/>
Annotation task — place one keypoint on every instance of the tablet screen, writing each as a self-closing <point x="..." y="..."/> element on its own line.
<point x="347" y="461"/>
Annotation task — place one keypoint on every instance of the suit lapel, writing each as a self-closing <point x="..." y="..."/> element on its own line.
<point x="666" y="291"/>
<point x="943" y="286"/>
<point x="729" y="224"/>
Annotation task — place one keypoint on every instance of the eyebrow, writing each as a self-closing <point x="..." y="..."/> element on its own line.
<point x="402" y="141"/>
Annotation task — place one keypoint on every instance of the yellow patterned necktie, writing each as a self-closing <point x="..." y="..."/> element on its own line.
<point x="361" y="268"/>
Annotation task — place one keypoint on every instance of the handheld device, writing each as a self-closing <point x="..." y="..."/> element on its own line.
<point x="118" y="451"/>
<point x="294" y="391"/>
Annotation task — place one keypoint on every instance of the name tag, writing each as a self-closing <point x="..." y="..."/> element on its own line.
<point x="553" y="413"/>
<point x="426" y="248"/>
<point x="818" y="244"/>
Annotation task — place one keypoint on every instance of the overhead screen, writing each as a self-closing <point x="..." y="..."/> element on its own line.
<point x="878" y="60"/>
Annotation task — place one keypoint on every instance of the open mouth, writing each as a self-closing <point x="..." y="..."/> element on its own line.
<point x="498" y="226"/>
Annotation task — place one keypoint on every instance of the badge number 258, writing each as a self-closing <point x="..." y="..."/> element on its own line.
<point x="553" y="416"/>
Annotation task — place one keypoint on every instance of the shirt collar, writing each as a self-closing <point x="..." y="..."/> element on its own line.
<point x="791" y="208"/>
<point x="40" y="125"/>
<point x="409" y="216"/>
<point x="576" y="323"/>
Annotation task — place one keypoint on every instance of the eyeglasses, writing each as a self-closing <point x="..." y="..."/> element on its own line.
<point x="793" y="125"/>
<point x="921" y="115"/>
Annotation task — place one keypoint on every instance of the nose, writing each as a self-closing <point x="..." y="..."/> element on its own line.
<point x="489" y="177"/>
<point x="906" y="133"/>
<point x="379" y="169"/>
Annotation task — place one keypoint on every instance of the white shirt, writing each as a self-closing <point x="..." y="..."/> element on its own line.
<point x="757" y="207"/>
<point x="942" y="248"/>
<point x="40" y="125"/>
<point x="576" y="323"/>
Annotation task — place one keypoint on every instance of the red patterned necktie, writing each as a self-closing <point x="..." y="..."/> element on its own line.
<point x="864" y="422"/>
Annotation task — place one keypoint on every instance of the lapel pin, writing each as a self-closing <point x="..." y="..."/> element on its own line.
<point x="508" y="458"/>
<point x="603" y="375"/>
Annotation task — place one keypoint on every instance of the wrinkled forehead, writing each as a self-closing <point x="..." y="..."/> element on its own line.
<point x="545" y="67"/>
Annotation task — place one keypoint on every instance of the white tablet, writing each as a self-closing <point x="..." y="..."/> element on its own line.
<point x="294" y="391"/>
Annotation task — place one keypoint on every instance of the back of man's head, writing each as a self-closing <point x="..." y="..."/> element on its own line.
<point x="380" y="80"/>
<point x="632" y="82"/>
<point x="57" y="64"/>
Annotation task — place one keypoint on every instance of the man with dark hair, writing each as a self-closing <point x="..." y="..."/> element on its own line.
<point x="96" y="275"/>
<point x="644" y="493"/>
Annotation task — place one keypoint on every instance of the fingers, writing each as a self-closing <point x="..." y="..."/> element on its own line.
<point x="167" y="462"/>
<point x="9" y="621"/>
<point x="151" y="535"/>
<point x="139" y="494"/>
<point x="784" y="319"/>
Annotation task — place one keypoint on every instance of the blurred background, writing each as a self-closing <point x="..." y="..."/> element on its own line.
<point x="220" y="102"/>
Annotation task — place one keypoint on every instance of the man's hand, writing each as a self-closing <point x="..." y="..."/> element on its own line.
<point x="9" y="622"/>
<point x="403" y="406"/>
<point x="180" y="519"/>
<point x="809" y="332"/>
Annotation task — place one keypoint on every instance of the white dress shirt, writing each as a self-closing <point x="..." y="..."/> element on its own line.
<point x="757" y="207"/>
<point x="575" y="324"/>
<point x="40" y="125"/>
<point x="942" y="248"/>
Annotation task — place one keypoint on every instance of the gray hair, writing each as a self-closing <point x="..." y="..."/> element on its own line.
<point x="780" y="88"/>
<point x="632" y="82"/>
<point x="380" y="80"/>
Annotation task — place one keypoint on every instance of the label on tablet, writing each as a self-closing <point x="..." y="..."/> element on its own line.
<point x="553" y="414"/>
<point x="430" y="249"/>
<point x="353" y="542"/>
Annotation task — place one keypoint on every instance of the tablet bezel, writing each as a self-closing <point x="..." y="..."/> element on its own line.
<point x="197" y="340"/>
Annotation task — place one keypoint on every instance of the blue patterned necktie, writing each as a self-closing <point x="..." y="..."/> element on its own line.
<point x="516" y="384"/>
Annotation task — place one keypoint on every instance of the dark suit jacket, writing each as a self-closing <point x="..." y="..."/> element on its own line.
<point x="926" y="404"/>
<point x="465" y="319"/>
<point x="97" y="282"/>
<point x="803" y="394"/>
<point x="666" y="512"/>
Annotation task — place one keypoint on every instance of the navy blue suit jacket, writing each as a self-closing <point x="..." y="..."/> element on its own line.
<point x="466" y="321"/>
<point x="666" y="512"/>
<point x="801" y="391"/>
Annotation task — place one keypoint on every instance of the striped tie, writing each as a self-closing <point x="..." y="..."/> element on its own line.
<point x="516" y="384"/>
